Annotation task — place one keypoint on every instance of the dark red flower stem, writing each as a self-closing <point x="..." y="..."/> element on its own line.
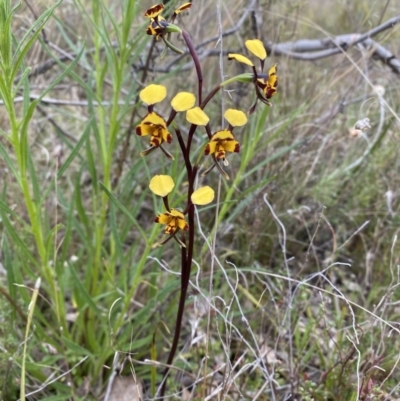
<point x="191" y="179"/>
<point x="208" y="130"/>
<point x="171" y="117"/>
<point x="186" y="267"/>
<point x="191" y="132"/>
<point x="190" y="247"/>
<point x="166" y="203"/>
<point x="196" y="61"/>
<point x="183" y="149"/>
<point x="187" y="253"/>
<point x="178" y="322"/>
<point x="210" y="96"/>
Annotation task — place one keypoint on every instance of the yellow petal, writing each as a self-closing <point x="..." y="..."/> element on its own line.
<point x="161" y="185"/>
<point x="183" y="101"/>
<point x="178" y="214"/>
<point x="150" y="124"/>
<point x="144" y="129"/>
<point x="273" y="70"/>
<point x="240" y="58"/>
<point x="153" y="11"/>
<point x="272" y="83"/>
<point x="210" y="148"/>
<point x="153" y="94"/>
<point x="155" y="119"/>
<point x="197" y="116"/>
<point x="223" y="135"/>
<point x="163" y="218"/>
<point x="203" y="196"/>
<point x="224" y="141"/>
<point x="182" y="224"/>
<point x="183" y="7"/>
<point x="236" y="118"/>
<point x="257" y="48"/>
<point x="231" y="146"/>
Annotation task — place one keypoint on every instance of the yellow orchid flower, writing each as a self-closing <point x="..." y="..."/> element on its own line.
<point x="224" y="141"/>
<point x="220" y="143"/>
<point x="159" y="26"/>
<point x="153" y="124"/>
<point x="265" y="84"/>
<point x="174" y="220"/>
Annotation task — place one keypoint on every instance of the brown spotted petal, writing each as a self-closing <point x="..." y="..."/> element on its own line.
<point x="272" y="83"/>
<point x="183" y="7"/>
<point x="154" y="11"/>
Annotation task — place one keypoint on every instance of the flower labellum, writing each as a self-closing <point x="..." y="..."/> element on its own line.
<point x="272" y="83"/>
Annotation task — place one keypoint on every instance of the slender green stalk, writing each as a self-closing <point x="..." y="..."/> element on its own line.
<point x="99" y="204"/>
<point x="10" y="65"/>
<point x="28" y="326"/>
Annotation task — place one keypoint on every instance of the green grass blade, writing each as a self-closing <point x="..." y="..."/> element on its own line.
<point x="125" y="211"/>
<point x="83" y="297"/>
<point x="24" y="46"/>
<point x="76" y="150"/>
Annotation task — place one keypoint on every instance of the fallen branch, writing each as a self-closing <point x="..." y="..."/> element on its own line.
<point x="311" y="50"/>
<point x="317" y="49"/>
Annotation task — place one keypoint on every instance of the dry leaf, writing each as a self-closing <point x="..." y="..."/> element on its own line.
<point x="125" y="388"/>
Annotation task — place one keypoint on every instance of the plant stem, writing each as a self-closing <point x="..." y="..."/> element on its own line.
<point x="178" y="322"/>
<point x="196" y="61"/>
<point x="210" y="96"/>
<point x="186" y="267"/>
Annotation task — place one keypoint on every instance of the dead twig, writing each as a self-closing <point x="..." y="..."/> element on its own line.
<point x="311" y="50"/>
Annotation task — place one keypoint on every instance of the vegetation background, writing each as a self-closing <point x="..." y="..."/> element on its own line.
<point x="298" y="300"/>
